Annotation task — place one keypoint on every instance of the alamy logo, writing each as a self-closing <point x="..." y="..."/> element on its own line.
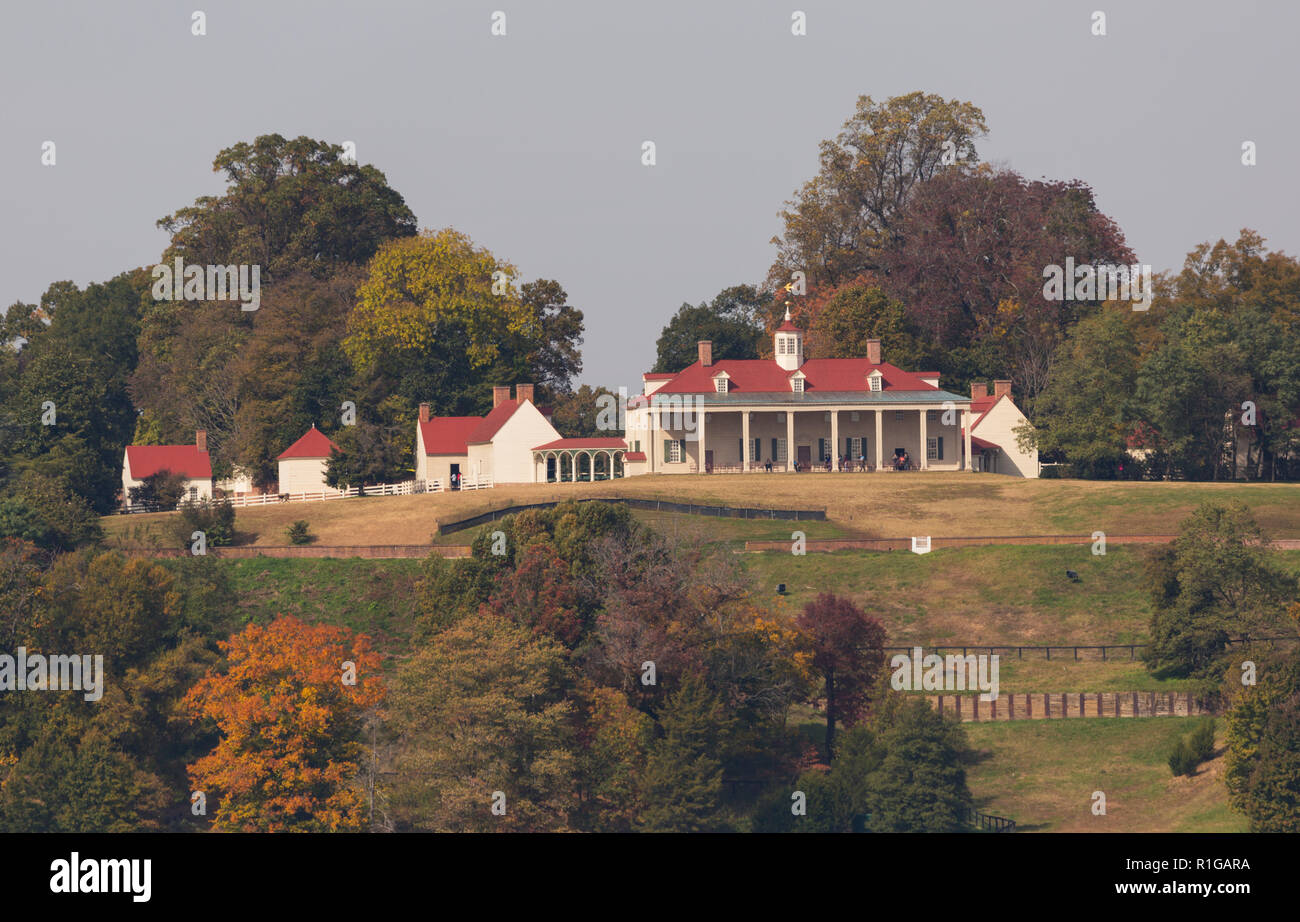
<point x="53" y="673"/>
<point x="103" y="875"/>
<point x="951" y="673"/>
<point x="1098" y="283"/>
<point x="208" y="283"/>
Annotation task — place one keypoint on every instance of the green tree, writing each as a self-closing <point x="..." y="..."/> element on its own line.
<point x="1215" y="581"/>
<point x="733" y="321"/>
<point x="484" y="708"/>
<point x="289" y="204"/>
<point x="682" y="785"/>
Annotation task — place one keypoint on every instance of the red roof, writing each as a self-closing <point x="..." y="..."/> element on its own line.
<point x="757" y="376"/>
<point x="448" y="435"/>
<point x="583" y="443"/>
<point x="980" y="406"/>
<point x="313" y="444"/>
<point x="788" y="327"/>
<point x="186" y="460"/>
<point x="658" y="375"/>
<point x="634" y="456"/>
<point x="980" y="443"/>
<point x="493" y="422"/>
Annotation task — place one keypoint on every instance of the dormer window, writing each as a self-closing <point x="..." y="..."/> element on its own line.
<point x="721" y="382"/>
<point x="796" y="382"/>
<point x="874" y="381"/>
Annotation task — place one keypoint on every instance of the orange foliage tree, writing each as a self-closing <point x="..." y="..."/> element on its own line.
<point x="290" y="720"/>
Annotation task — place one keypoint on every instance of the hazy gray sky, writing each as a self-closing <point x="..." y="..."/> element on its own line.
<point x="531" y="142"/>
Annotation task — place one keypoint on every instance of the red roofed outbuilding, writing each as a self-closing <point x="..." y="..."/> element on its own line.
<point x="302" y="464"/>
<point x="189" y="461"/>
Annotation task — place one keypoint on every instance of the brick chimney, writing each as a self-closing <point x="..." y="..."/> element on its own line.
<point x="1001" y="387"/>
<point x="424" y="412"/>
<point x="873" y="351"/>
<point x="978" y="391"/>
<point x="524" y="392"/>
<point x="500" y="393"/>
<point x="706" y="352"/>
<point x="201" y="439"/>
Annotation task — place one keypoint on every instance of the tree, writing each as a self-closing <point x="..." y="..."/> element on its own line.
<point x="733" y="321"/>
<point x="482" y="709"/>
<point x="967" y="256"/>
<point x="289" y="204"/>
<point x="920" y="784"/>
<point x="290" y="727"/>
<point x="1215" y="581"/>
<point x="1085" y="414"/>
<point x="682" y="785"/>
<point x="847" y="651"/>
<point x="855" y="312"/>
<point x="579" y="414"/>
<point x="160" y="490"/>
<point x="553" y="357"/>
<point x="428" y="295"/>
<point x="840" y="220"/>
<point x="539" y="594"/>
<point x="1263" y="759"/>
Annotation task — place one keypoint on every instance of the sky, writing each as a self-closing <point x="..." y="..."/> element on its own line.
<point x="531" y="142"/>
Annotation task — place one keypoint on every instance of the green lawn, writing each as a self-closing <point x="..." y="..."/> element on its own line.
<point x="1043" y="774"/>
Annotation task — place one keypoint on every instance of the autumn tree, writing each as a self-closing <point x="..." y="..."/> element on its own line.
<point x="845" y="317"/>
<point x="288" y="708"/>
<point x="847" y="651"/>
<point x="839" y="221"/>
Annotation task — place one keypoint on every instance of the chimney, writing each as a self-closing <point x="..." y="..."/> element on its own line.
<point x="873" y="351"/>
<point x="1001" y="387"/>
<point x="706" y="352"/>
<point x="424" y="412"/>
<point x="524" y="392"/>
<point x="201" y="439"/>
<point x="978" y="391"/>
<point x="499" y="395"/>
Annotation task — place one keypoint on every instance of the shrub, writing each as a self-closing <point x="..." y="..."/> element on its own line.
<point x="216" y="519"/>
<point x="1201" y="745"/>
<point x="300" y="533"/>
<point x="1181" y="760"/>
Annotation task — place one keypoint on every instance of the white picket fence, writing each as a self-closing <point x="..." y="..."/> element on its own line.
<point x="379" y="489"/>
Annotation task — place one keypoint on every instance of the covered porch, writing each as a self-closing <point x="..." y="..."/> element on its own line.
<point x="579" y="460"/>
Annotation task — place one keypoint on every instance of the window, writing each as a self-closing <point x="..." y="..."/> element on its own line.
<point x="720" y="384"/>
<point x="932" y="416"/>
<point x="796" y="385"/>
<point x="875" y="382"/>
<point x="782" y="450"/>
<point x="898" y="416"/>
<point x="934" y="449"/>
<point x="674" y="450"/>
<point x="855" y="448"/>
<point x="823" y="449"/>
<point x="780" y="345"/>
<point x="194" y="494"/>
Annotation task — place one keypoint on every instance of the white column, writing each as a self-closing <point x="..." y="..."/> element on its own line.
<point x="965" y="417"/>
<point x="925" y="455"/>
<point x="880" y="440"/>
<point x="835" y="440"/>
<point x="789" y="440"/>
<point x="745" y="448"/>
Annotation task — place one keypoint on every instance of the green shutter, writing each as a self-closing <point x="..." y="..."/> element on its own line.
<point x="939" y="449"/>
<point x="668" y="451"/>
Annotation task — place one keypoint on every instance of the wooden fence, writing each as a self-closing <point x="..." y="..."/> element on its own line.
<point x="905" y="544"/>
<point x="1049" y="705"/>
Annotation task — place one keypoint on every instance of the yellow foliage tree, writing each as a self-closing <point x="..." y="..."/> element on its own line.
<point x="419" y="290"/>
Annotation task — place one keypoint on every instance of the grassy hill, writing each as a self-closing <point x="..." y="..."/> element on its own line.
<point x="1043" y="773"/>
<point x="874" y="505"/>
